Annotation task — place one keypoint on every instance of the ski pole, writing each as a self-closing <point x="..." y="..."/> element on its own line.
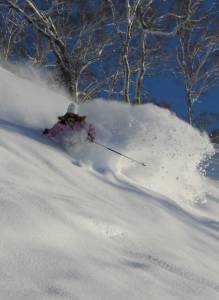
<point x="130" y="158"/>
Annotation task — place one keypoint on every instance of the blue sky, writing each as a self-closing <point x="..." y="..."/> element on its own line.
<point x="170" y="89"/>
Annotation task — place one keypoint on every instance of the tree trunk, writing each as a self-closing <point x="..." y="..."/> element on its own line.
<point x="75" y="91"/>
<point x="141" y="71"/>
<point x="189" y="106"/>
<point x="127" y="75"/>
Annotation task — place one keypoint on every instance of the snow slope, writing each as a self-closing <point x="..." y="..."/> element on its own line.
<point x="106" y="228"/>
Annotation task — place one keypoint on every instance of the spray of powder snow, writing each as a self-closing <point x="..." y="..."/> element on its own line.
<point x="29" y="103"/>
<point x="172" y="150"/>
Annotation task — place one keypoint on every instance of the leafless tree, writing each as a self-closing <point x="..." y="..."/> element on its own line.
<point x="198" y="50"/>
<point x="10" y="34"/>
<point x="75" y="49"/>
<point x="154" y="31"/>
<point x="148" y="24"/>
<point x="125" y="38"/>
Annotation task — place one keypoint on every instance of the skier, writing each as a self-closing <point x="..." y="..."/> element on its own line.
<point x="71" y="128"/>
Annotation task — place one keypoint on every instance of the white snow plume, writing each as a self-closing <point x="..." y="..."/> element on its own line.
<point x="29" y="103"/>
<point x="172" y="149"/>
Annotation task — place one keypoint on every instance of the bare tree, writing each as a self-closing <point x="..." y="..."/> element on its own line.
<point x="11" y="34"/>
<point x="125" y="38"/>
<point x="142" y="32"/>
<point x="154" y="31"/>
<point x="198" y="50"/>
<point x="75" y="47"/>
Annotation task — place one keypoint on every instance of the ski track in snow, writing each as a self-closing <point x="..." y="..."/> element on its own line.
<point x="145" y="261"/>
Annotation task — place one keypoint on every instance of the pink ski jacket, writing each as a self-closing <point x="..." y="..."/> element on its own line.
<point x="61" y="128"/>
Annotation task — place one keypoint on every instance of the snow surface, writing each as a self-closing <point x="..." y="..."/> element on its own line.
<point x="87" y="224"/>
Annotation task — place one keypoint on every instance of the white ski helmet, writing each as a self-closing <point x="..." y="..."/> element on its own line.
<point x="72" y="108"/>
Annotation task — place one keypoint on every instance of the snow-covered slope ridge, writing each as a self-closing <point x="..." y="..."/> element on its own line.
<point x="104" y="230"/>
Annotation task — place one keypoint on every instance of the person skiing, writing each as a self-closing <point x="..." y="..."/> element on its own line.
<point x="71" y="128"/>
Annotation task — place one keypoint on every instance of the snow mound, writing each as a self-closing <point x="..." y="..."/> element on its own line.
<point x="172" y="150"/>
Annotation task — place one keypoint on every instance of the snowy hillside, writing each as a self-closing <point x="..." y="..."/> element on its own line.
<point x="87" y="224"/>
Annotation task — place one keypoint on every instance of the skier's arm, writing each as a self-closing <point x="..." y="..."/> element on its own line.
<point x="55" y="130"/>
